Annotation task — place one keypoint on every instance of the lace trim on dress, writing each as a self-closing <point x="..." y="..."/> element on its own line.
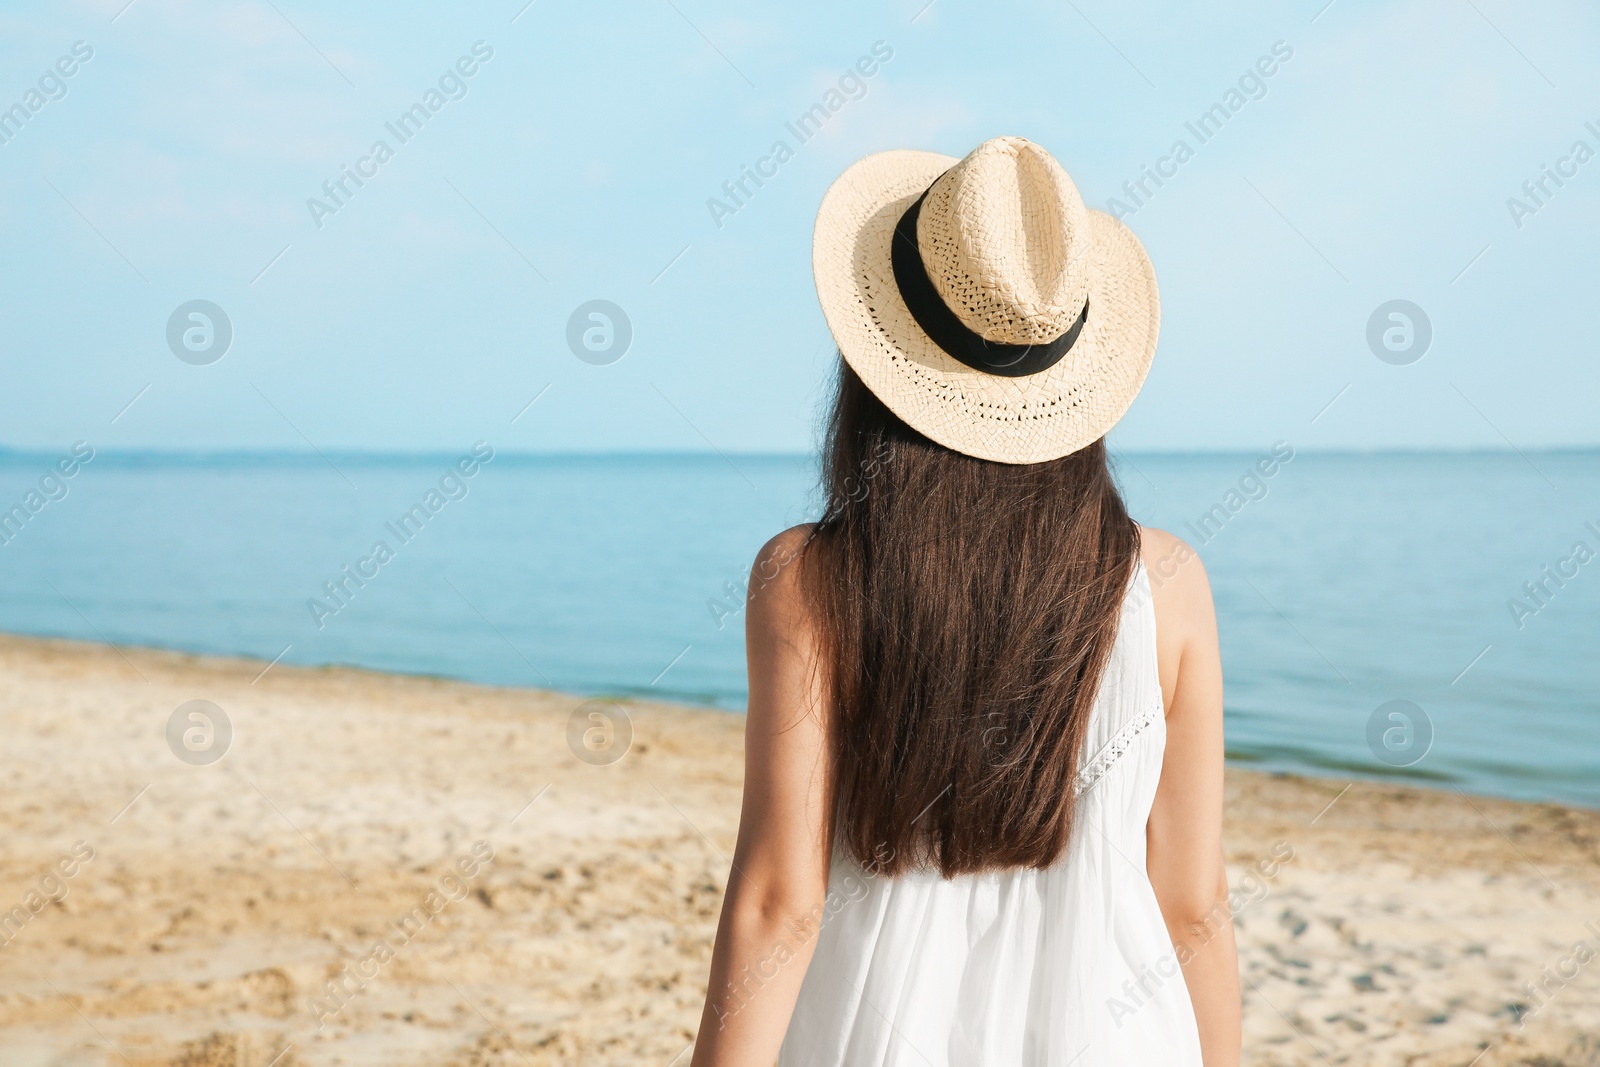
<point x="1096" y="768"/>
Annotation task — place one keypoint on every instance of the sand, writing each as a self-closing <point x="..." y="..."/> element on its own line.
<point x="209" y="905"/>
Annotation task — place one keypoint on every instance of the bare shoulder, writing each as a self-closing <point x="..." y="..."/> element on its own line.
<point x="776" y="592"/>
<point x="1179" y="586"/>
<point x="788" y="544"/>
<point x="783" y="642"/>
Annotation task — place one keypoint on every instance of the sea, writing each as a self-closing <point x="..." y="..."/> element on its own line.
<point x="1431" y="618"/>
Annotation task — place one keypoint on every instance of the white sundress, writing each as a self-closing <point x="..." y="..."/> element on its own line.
<point x="1070" y="966"/>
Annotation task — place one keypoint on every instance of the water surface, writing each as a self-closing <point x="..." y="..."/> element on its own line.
<point x="1341" y="581"/>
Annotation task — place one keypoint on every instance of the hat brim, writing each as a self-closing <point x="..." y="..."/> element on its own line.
<point x="1008" y="420"/>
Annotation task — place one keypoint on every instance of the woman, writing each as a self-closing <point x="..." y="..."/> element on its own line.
<point x="983" y="787"/>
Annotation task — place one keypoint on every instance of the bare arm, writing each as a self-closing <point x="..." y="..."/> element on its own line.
<point x="780" y="864"/>
<point x="1184" y="836"/>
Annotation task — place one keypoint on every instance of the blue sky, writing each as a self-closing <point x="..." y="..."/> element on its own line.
<point x="577" y="161"/>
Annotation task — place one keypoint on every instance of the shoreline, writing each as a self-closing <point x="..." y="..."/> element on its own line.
<point x="1242" y="761"/>
<point x="1377" y="922"/>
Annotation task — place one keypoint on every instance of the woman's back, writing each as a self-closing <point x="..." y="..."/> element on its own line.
<point x="1023" y="966"/>
<point x="982" y="806"/>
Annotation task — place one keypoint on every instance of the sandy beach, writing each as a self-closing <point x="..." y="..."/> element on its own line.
<point x="479" y="895"/>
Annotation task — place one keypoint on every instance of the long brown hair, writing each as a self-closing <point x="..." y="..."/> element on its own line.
<point x="968" y="609"/>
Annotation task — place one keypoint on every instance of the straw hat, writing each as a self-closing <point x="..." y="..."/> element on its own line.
<point x="982" y="302"/>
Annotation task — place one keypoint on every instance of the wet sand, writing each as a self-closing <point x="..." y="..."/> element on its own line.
<point x="532" y="908"/>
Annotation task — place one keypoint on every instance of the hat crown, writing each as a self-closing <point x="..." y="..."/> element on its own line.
<point x="1003" y="236"/>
